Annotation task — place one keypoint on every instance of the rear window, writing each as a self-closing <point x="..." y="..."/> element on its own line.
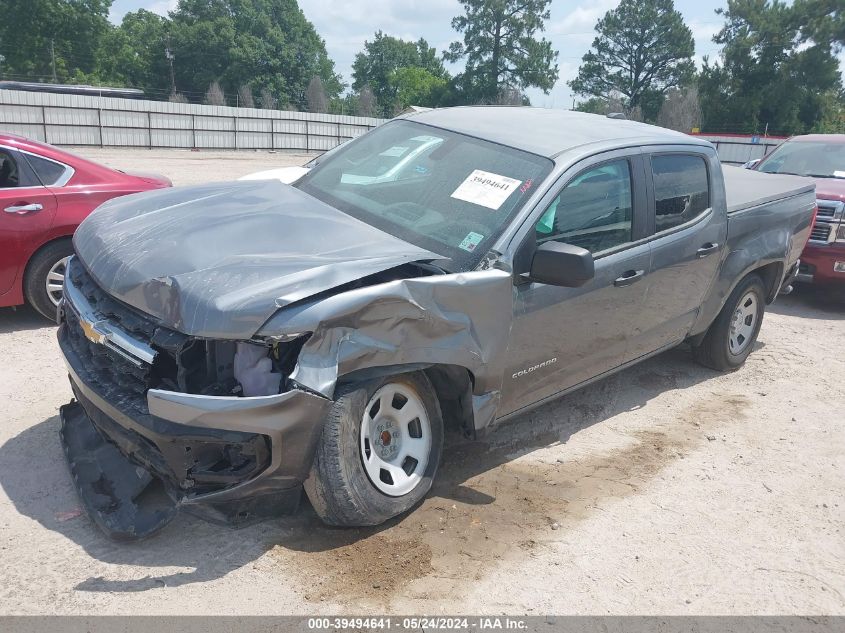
<point x="48" y="172"/>
<point x="681" y="189"/>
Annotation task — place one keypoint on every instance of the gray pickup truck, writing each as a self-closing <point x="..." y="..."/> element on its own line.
<point x="229" y="344"/>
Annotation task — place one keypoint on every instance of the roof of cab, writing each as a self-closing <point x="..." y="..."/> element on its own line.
<point x="817" y="138"/>
<point x="548" y="132"/>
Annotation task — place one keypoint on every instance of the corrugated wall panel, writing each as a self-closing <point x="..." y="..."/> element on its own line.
<point x="172" y="138"/>
<point x="289" y="141"/>
<point x="21" y="114"/>
<point x="215" y="140"/>
<point x="255" y="125"/>
<point x="73" y="135"/>
<point x="35" y="132"/>
<point x="225" y="124"/>
<point x="122" y="118"/>
<point x="84" y="120"/>
<point x="69" y="117"/>
<point x="286" y="126"/>
<point x="170" y="121"/>
<point x="254" y="140"/>
<point x="123" y="137"/>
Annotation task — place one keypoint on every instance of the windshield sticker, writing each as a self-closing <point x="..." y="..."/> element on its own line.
<point x="396" y="151"/>
<point x="426" y="139"/>
<point x="471" y="241"/>
<point x="421" y="169"/>
<point x="486" y="189"/>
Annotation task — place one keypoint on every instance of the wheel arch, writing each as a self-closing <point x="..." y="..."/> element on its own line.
<point x="771" y="274"/>
<point x="453" y="385"/>
<point x="35" y="251"/>
<point x="21" y="282"/>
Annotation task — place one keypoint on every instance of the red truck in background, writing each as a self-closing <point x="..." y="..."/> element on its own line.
<point x="821" y="157"/>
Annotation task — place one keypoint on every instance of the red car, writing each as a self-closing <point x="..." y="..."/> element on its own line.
<point x="45" y="193"/>
<point x="822" y="157"/>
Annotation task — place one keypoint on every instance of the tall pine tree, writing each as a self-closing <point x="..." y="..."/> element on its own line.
<point x="501" y="48"/>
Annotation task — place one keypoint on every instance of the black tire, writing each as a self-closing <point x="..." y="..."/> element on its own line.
<point x="339" y="488"/>
<point x="714" y="351"/>
<point x="35" y="279"/>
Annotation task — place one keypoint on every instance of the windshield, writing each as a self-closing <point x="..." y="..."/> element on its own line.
<point x="805" y="158"/>
<point x="445" y="192"/>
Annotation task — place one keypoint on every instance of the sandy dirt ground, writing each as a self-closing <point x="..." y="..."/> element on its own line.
<point x="666" y="489"/>
<point x="187" y="167"/>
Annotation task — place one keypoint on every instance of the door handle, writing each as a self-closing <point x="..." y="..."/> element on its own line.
<point x="707" y="249"/>
<point x="630" y="277"/>
<point x="22" y="209"/>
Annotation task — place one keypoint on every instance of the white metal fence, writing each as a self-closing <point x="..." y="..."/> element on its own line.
<point x="736" y="149"/>
<point x="109" y="122"/>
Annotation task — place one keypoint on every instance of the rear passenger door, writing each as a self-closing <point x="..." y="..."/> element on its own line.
<point x="689" y="234"/>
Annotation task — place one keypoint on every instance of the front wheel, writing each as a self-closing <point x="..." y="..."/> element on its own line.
<point x="731" y="337"/>
<point x="45" y="275"/>
<point x="379" y="450"/>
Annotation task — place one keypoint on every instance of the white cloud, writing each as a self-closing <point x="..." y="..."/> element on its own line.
<point x="582" y="20"/>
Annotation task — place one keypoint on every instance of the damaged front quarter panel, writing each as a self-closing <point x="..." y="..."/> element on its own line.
<point x="460" y="319"/>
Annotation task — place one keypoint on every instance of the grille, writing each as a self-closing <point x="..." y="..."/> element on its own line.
<point x="826" y="209"/>
<point x="820" y="232"/>
<point x="130" y="321"/>
<point x="114" y="377"/>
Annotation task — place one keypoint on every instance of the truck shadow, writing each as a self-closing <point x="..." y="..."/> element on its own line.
<point x="210" y="552"/>
<point x="812" y="302"/>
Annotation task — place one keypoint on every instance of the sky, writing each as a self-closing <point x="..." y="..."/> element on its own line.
<point x="346" y="24"/>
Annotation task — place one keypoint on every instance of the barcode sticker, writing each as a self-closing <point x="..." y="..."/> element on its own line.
<point x="486" y="189"/>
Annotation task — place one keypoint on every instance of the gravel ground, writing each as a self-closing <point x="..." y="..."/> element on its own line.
<point x="666" y="489"/>
<point x="186" y="167"/>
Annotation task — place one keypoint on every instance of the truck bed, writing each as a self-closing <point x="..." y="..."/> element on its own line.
<point x="745" y="188"/>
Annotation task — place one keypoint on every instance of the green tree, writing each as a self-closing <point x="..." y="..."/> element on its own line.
<point x="382" y="57"/>
<point x="268" y="44"/>
<point x="821" y="21"/>
<point x="133" y="54"/>
<point x="413" y="85"/>
<point x="501" y="48"/>
<point x="43" y="39"/>
<point x="642" y="50"/>
<point x="765" y="78"/>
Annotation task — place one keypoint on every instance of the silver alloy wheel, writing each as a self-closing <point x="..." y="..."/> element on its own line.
<point x="55" y="280"/>
<point x="743" y="322"/>
<point x="395" y="439"/>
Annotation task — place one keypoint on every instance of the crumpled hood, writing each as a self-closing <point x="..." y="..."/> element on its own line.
<point x="218" y="260"/>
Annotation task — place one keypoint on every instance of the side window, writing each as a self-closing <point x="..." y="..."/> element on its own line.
<point x="594" y="211"/>
<point x="681" y="189"/>
<point x="15" y="171"/>
<point x="48" y="172"/>
<point x="9" y="173"/>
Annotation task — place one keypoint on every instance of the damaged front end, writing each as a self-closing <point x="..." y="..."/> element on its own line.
<point x="152" y="426"/>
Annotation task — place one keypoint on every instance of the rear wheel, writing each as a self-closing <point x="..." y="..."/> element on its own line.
<point x="379" y="450"/>
<point x="45" y="275"/>
<point x="732" y="335"/>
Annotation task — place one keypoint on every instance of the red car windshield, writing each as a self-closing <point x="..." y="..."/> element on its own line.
<point x="816" y="159"/>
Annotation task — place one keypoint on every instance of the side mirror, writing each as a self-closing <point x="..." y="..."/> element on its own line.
<point x="751" y="164"/>
<point x="559" y="264"/>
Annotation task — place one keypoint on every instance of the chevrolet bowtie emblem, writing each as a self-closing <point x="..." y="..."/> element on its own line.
<point x="91" y="332"/>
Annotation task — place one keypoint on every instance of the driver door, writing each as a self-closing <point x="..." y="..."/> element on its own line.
<point x="562" y="337"/>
